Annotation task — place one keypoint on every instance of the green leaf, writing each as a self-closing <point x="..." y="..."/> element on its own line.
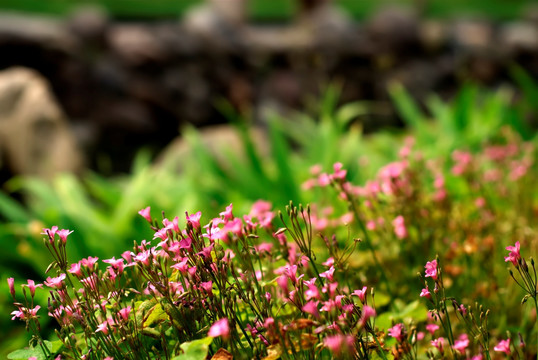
<point x="195" y="350"/>
<point x="37" y="352"/>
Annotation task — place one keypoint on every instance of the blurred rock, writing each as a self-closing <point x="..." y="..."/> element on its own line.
<point x="475" y="35"/>
<point x="519" y="37"/>
<point x="34" y="133"/>
<point x="89" y="23"/>
<point x="394" y="29"/>
<point x="135" y="45"/>
<point x="218" y="23"/>
<point x="43" y="31"/>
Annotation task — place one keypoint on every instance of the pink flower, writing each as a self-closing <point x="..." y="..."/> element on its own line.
<point x="361" y="293"/>
<point x="432" y="328"/>
<point x="89" y="262"/>
<point x="367" y="313"/>
<point x="514" y="255"/>
<point x="194" y="219"/>
<point x="145" y="213"/>
<point x="340" y="344"/>
<point x="63" y="234"/>
<point x="503" y="346"/>
<point x="324" y="179"/>
<point x="220" y="328"/>
<point x="438" y="343"/>
<point x="227" y="215"/>
<point x="431" y="269"/>
<point x="11" y="284"/>
<point x="311" y="307"/>
<point x="399" y="227"/>
<point x="50" y="233"/>
<point x="461" y="344"/>
<point x="124" y="313"/>
<point x="425" y="293"/>
<point x="339" y="173"/>
<point x="76" y="269"/>
<point x="55" y="283"/>
<point x="397" y="332"/>
<point x="32" y="286"/>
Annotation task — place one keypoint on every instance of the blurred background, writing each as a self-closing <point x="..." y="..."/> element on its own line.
<point x="108" y="106"/>
<point x="126" y="74"/>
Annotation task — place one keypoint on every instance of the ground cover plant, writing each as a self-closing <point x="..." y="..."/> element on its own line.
<point x="410" y="264"/>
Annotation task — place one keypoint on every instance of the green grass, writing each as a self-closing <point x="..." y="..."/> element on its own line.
<point x="273" y="10"/>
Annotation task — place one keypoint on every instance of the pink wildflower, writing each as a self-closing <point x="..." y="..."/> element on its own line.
<point x="145" y="213"/>
<point x="397" y="332"/>
<point x="63" y="234"/>
<point x="76" y="269"/>
<point x="361" y="294"/>
<point x="399" y="227"/>
<point x="514" y="255"/>
<point x="194" y="220"/>
<point x="438" y="343"/>
<point x="227" y="215"/>
<point x="503" y="346"/>
<point x="340" y="344"/>
<point x="431" y="269"/>
<point x="367" y="313"/>
<point x="311" y="307"/>
<point x="124" y="313"/>
<point x="32" y="286"/>
<point x="461" y="344"/>
<point x="425" y="293"/>
<point x="11" y="284"/>
<point x="432" y="328"/>
<point x="56" y="282"/>
<point x="220" y="328"/>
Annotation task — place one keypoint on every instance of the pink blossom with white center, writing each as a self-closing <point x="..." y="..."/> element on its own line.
<point x="220" y="328"/>
<point x="329" y="262"/>
<point x="56" y="282"/>
<point x="145" y="213"/>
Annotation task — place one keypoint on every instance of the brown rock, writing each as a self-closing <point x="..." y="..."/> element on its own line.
<point x="34" y="134"/>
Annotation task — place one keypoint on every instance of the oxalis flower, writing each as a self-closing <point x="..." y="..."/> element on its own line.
<point x="431" y="269"/>
<point x="55" y="283"/>
<point x="514" y="254"/>
<point x="503" y="346"/>
<point x="220" y="328"/>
